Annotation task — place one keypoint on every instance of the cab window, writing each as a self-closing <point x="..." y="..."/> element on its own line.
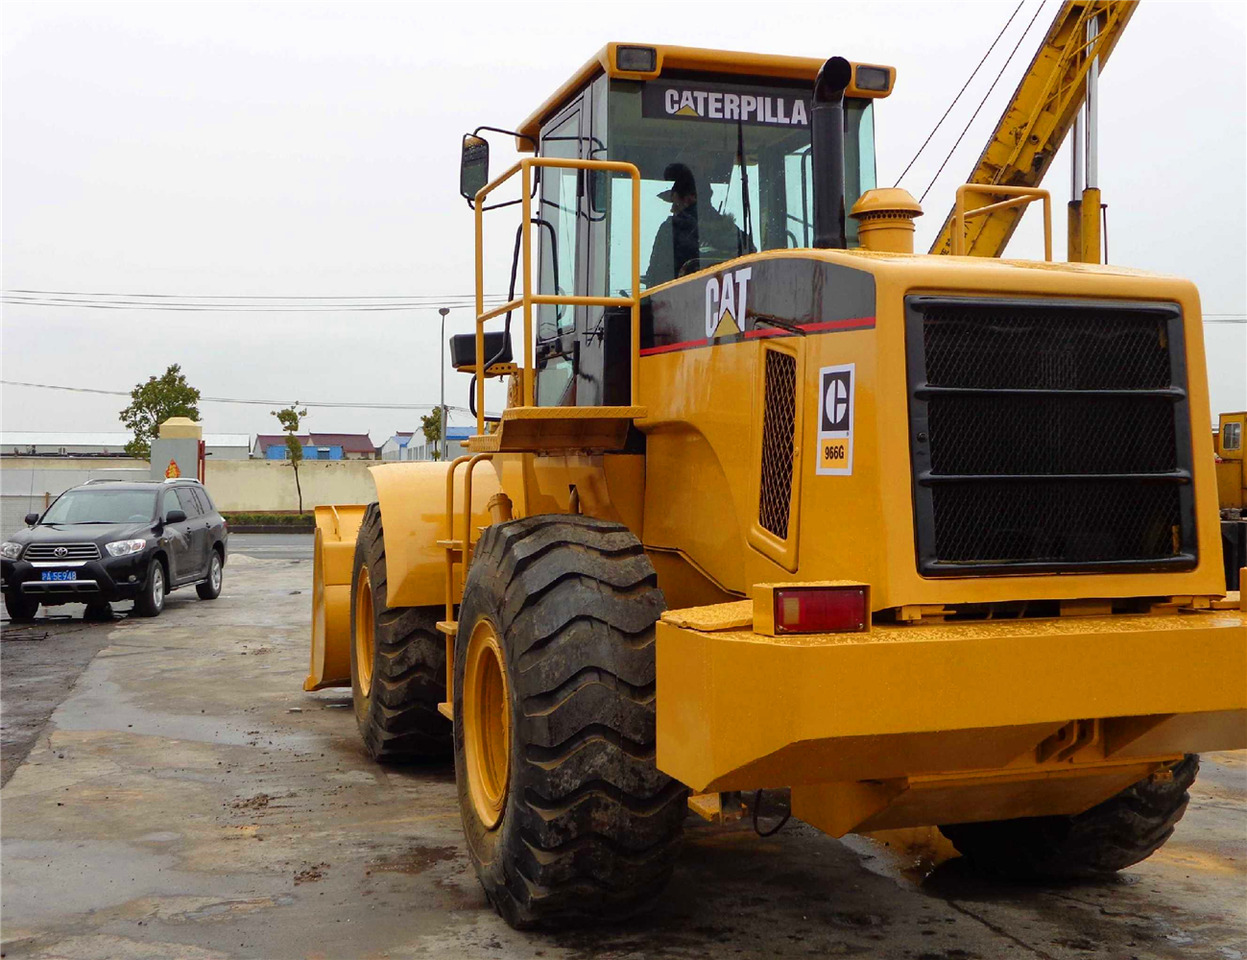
<point x="559" y="230"/>
<point x="169" y="504"/>
<point x="745" y="149"/>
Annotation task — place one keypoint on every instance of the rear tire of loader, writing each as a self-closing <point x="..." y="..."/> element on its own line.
<point x="1111" y="836"/>
<point x="565" y="813"/>
<point x="398" y="662"/>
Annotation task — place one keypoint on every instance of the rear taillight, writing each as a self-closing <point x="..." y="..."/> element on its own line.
<point x="821" y="609"/>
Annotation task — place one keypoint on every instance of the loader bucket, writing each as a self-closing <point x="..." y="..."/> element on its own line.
<point x="332" y="562"/>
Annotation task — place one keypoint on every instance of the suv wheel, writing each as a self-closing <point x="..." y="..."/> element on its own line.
<point x="151" y="601"/>
<point x="210" y="589"/>
<point x="98" y="610"/>
<point x="20" y="607"/>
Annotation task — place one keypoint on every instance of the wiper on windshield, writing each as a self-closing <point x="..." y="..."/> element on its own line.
<point x="78" y="523"/>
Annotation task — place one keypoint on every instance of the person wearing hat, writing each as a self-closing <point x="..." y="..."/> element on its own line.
<point x="681" y="241"/>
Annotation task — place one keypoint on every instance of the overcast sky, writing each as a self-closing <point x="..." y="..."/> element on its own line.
<point x="311" y="149"/>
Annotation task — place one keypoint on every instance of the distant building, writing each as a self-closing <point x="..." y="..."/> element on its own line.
<point x="454" y="436"/>
<point x="13" y="443"/>
<point x="316" y="446"/>
<point x="397" y="446"/>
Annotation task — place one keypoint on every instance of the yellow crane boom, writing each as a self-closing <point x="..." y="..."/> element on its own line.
<point x="1039" y="115"/>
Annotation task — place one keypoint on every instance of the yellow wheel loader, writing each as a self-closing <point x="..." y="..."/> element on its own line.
<point x="1227" y="441"/>
<point x="927" y="540"/>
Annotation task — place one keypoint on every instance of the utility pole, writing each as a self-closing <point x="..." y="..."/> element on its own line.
<point x="442" y="407"/>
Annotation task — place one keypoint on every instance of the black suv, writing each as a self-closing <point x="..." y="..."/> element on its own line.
<point x="116" y="540"/>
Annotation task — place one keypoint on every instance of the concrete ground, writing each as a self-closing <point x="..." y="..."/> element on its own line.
<point x="183" y="797"/>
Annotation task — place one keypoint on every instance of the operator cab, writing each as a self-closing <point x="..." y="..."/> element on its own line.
<point x="723" y="144"/>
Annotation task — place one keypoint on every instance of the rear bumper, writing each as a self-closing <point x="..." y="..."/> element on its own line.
<point x="738" y="710"/>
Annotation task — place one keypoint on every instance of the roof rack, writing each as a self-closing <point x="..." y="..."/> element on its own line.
<point x="106" y="480"/>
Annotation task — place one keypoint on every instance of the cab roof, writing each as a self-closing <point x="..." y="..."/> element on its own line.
<point x="691" y="60"/>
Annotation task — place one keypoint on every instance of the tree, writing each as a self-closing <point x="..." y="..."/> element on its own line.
<point x="289" y="418"/>
<point x="154" y="402"/>
<point x="431" y="427"/>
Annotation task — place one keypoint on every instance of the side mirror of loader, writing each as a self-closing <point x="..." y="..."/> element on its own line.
<point x="473" y="166"/>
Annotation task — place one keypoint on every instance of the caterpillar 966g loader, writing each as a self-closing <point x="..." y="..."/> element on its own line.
<point x="777" y="503"/>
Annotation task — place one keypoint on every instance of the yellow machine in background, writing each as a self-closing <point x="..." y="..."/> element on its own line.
<point x="777" y="503"/>
<point x="1227" y="441"/>
<point x="1231" y="477"/>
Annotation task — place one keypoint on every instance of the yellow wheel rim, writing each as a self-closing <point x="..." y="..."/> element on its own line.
<point x="486" y="724"/>
<point x="365" y="632"/>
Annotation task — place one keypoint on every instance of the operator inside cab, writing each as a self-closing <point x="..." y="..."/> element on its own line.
<point x="696" y="234"/>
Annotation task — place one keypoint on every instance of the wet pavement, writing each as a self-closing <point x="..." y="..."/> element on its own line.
<point x="187" y="799"/>
<point x="272" y="546"/>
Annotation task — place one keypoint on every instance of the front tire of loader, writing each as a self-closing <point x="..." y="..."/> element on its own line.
<point x="565" y="813"/>
<point x="398" y="662"/>
<point x="1121" y="831"/>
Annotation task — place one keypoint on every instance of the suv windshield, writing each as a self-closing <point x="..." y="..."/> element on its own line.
<point x="745" y="151"/>
<point x="102" y="506"/>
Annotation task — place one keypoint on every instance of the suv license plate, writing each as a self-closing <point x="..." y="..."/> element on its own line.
<point x="58" y="574"/>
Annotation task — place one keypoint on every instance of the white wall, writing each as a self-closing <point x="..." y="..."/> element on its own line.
<point x="27" y="484"/>
<point x="258" y="486"/>
<point x="268" y="485"/>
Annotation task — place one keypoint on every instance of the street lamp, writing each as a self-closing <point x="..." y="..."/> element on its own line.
<point x="442" y="407"/>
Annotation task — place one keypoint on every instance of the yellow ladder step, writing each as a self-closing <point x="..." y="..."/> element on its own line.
<point x="447" y="710"/>
<point x="448" y="627"/>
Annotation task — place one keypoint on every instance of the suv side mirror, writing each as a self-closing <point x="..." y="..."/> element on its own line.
<point x="32" y="519"/>
<point x="473" y="166"/>
<point x="175" y="516"/>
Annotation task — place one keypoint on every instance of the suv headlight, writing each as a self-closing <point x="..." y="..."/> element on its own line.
<point x="10" y="550"/>
<point x="123" y="548"/>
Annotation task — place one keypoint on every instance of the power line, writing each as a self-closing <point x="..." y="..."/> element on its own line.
<point x="964" y="87"/>
<point x="349" y="405"/>
<point x="974" y="116"/>
<point x="239" y="304"/>
<point x="248" y="296"/>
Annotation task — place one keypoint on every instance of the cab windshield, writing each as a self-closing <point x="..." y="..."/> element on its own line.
<point x="102" y="506"/>
<point x="745" y="151"/>
<point x="726" y="171"/>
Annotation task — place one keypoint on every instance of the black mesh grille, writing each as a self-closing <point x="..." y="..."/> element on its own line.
<point x="1048" y="434"/>
<point x="1076" y="522"/>
<point x="1051" y="434"/>
<point x="1034" y="348"/>
<point x="778" y="421"/>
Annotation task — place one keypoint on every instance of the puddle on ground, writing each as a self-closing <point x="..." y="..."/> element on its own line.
<point x="100" y="704"/>
<point x="907" y="856"/>
<point x="416" y="860"/>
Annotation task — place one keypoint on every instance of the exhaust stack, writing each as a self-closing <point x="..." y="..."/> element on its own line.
<point x="827" y="147"/>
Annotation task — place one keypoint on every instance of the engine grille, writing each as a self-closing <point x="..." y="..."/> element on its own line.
<point x="1048" y="435"/>
<point x="73" y="552"/>
<point x="778" y="424"/>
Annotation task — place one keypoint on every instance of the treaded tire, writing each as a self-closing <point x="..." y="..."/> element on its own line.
<point x="151" y="599"/>
<point x="398" y="717"/>
<point x="210" y="589"/>
<point x="1111" y="836"/>
<point x="21" y="609"/>
<point x="98" y="610"/>
<point x="590" y="828"/>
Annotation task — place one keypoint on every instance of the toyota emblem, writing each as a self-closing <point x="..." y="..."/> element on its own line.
<point x="60" y="552"/>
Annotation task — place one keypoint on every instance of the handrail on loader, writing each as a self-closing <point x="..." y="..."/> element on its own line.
<point x="527" y="298"/>
<point x="1022" y="196"/>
